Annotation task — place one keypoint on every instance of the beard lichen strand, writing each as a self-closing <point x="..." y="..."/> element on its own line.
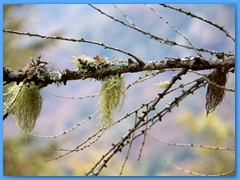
<point x="26" y="107"/>
<point x="111" y="96"/>
<point x="215" y="94"/>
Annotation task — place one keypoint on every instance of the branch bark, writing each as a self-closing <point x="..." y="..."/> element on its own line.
<point x="49" y="77"/>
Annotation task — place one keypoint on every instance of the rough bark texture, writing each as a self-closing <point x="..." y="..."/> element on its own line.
<point x="48" y="76"/>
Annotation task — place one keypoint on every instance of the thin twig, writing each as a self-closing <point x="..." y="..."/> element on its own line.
<point x="213" y="83"/>
<point x="181" y="86"/>
<point x="130" y="144"/>
<point x="193" y="145"/>
<point x="200" y="18"/>
<point x="68" y="130"/>
<point x="74" y="40"/>
<point x="176" y="30"/>
<point x="125" y="16"/>
<point x="142" y="79"/>
<point x="83" y="147"/>
<point x="83" y="97"/>
<point x="196" y="173"/>
<point x="77" y="148"/>
<point x="144" y="136"/>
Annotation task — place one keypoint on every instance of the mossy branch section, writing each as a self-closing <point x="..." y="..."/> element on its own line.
<point x="111" y="96"/>
<point x="49" y="77"/>
<point x="26" y="106"/>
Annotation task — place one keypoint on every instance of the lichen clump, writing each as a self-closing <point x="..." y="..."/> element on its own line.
<point x="215" y="94"/>
<point x="86" y="63"/>
<point x="163" y="84"/>
<point x="111" y="96"/>
<point x="24" y="102"/>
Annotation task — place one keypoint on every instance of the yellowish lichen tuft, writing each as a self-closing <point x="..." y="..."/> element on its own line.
<point x="82" y="61"/>
<point x="24" y="102"/>
<point x="111" y="96"/>
<point x="163" y="84"/>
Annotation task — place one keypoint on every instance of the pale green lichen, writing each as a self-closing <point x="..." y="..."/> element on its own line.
<point x="24" y="102"/>
<point x="86" y="64"/>
<point x="83" y="62"/>
<point x="163" y="84"/>
<point x="55" y="75"/>
<point x="111" y="96"/>
<point x="122" y="62"/>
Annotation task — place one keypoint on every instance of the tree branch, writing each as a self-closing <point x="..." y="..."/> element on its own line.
<point x="73" y="40"/>
<point x="49" y="77"/>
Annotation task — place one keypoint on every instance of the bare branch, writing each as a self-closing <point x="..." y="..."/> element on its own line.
<point x="142" y="79"/>
<point x="213" y="83"/>
<point x="73" y="40"/>
<point x="144" y="136"/>
<point x="82" y="147"/>
<point x="196" y="173"/>
<point x="124" y="15"/>
<point x="193" y="145"/>
<point x="154" y="37"/>
<point x="83" y="97"/>
<point x="130" y="144"/>
<point x="78" y="148"/>
<point x="200" y="18"/>
<point x="66" y="131"/>
<point x="175" y="29"/>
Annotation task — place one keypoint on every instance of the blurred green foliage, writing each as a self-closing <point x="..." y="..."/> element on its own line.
<point x="25" y="158"/>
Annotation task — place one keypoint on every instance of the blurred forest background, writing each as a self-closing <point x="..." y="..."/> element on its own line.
<point x="186" y="124"/>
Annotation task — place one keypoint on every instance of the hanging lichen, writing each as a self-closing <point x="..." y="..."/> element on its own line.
<point x="24" y="102"/>
<point x="112" y="94"/>
<point x="113" y="87"/>
<point x="215" y="94"/>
